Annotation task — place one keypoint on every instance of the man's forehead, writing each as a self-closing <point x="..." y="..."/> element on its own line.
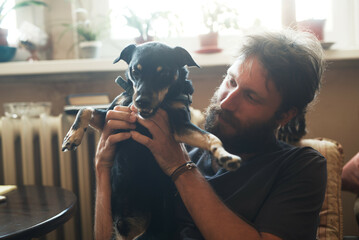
<point x="252" y="68"/>
<point x="244" y="65"/>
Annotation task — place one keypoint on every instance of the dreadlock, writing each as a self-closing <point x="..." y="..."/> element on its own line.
<point x="294" y="130"/>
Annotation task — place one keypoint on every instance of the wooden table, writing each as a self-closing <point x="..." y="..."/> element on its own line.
<point x="33" y="211"/>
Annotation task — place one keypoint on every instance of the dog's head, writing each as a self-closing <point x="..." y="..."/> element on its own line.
<point x="153" y="68"/>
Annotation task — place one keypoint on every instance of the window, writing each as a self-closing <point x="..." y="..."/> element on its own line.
<point x="10" y="22"/>
<point x="189" y="15"/>
<point x="318" y="9"/>
<point x="341" y="25"/>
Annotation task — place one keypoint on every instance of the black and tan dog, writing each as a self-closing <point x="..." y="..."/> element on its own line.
<point x="141" y="193"/>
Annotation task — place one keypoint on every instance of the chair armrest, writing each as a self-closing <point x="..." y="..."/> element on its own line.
<point x="331" y="215"/>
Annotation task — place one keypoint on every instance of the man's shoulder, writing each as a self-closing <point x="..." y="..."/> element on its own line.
<point x="300" y="152"/>
<point x="302" y="161"/>
<point x="293" y="160"/>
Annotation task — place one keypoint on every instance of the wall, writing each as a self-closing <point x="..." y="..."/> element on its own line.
<point x="335" y="115"/>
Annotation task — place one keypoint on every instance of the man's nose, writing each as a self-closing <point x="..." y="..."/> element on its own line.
<point x="230" y="102"/>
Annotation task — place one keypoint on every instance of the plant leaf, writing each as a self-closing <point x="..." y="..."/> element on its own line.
<point x="29" y="3"/>
<point x="19" y="5"/>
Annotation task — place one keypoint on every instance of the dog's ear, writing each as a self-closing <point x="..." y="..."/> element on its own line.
<point x="126" y="54"/>
<point x="184" y="58"/>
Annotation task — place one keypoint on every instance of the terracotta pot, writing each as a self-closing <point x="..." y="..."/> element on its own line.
<point x="140" y="39"/>
<point x="3" y="37"/>
<point x="315" y="26"/>
<point x="209" y="40"/>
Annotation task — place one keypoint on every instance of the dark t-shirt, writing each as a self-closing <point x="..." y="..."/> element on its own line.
<point x="279" y="191"/>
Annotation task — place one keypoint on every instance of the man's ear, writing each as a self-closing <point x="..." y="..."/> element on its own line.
<point x="287" y="116"/>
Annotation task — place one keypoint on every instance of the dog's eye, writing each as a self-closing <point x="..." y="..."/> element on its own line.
<point x="164" y="73"/>
<point x="135" y="72"/>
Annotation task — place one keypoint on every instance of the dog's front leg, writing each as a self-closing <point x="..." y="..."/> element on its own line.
<point x="197" y="137"/>
<point x="84" y="118"/>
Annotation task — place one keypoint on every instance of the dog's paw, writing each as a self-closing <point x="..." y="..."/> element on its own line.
<point x="72" y="139"/>
<point x="230" y="162"/>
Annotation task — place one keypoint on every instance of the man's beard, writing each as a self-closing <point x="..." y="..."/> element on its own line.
<point x="252" y="138"/>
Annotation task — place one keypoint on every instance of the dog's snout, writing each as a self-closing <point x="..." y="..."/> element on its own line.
<point x="143" y="102"/>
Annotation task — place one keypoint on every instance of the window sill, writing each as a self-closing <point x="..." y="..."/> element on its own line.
<point x="105" y="65"/>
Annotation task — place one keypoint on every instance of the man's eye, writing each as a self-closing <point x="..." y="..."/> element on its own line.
<point x="232" y="82"/>
<point x="251" y="97"/>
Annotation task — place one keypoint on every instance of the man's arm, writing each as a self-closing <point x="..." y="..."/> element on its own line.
<point x="213" y="218"/>
<point x="103" y="217"/>
<point x="119" y="118"/>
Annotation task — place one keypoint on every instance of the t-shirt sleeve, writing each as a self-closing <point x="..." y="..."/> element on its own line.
<point x="291" y="211"/>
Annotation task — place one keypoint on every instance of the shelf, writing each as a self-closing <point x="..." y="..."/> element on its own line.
<point x="105" y="65"/>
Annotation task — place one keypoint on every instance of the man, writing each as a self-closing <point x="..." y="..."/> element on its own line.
<point x="278" y="191"/>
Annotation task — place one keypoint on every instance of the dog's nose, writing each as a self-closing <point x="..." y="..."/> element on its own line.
<point x="143" y="102"/>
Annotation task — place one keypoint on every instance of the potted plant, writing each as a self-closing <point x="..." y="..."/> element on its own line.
<point x="314" y="26"/>
<point x="144" y="25"/>
<point x="89" y="33"/>
<point x="216" y="16"/>
<point x="5" y="10"/>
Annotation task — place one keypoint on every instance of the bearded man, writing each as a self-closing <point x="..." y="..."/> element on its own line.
<point x="279" y="189"/>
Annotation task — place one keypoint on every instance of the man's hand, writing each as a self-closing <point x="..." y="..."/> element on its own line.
<point x="119" y="118"/>
<point x="168" y="153"/>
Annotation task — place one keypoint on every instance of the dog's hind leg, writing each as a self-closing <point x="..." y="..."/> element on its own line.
<point x="196" y="137"/>
<point x="130" y="228"/>
<point x="84" y="118"/>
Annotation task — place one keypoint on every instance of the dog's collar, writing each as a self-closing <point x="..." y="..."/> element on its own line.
<point x="185" y="98"/>
<point x="125" y="85"/>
